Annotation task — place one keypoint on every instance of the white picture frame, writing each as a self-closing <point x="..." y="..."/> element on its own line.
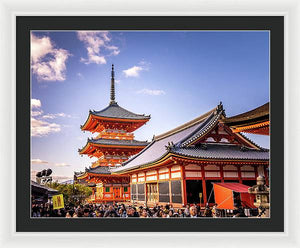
<point x="9" y="9"/>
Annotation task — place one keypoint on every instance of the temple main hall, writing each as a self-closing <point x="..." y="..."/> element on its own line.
<point x="179" y="166"/>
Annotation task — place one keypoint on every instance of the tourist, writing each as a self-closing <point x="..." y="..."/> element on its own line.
<point x="128" y="211"/>
<point x="111" y="212"/>
<point x="122" y="213"/>
<point x="193" y="212"/>
<point x="187" y="211"/>
<point x="144" y="214"/>
<point x="207" y="211"/>
<point x="170" y="214"/>
<point x="180" y="213"/>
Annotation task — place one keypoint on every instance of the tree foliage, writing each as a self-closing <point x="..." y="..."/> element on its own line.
<point x="73" y="193"/>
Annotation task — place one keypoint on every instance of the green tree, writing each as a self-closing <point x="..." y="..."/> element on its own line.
<point x="73" y="193"/>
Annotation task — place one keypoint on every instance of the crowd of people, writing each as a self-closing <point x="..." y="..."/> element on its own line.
<point x="127" y="211"/>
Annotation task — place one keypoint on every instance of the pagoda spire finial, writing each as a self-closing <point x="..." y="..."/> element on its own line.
<point x="112" y="86"/>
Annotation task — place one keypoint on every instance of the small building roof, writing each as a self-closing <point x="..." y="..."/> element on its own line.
<point x="42" y="188"/>
<point x="253" y="116"/>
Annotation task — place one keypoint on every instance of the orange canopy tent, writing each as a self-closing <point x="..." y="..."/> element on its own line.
<point x="224" y="195"/>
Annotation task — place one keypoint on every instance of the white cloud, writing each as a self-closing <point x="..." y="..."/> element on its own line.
<point x="47" y="62"/>
<point x="62" y="165"/>
<point x="98" y="46"/>
<point x="36" y="113"/>
<point x="40" y="47"/>
<point x="35" y="103"/>
<point x="35" y="107"/>
<point x="151" y="92"/>
<point x="133" y="71"/>
<point x="41" y="128"/>
<point x="53" y="116"/>
<point x="38" y="161"/>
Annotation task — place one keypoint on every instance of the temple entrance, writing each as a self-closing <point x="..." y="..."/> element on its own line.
<point x="249" y="183"/>
<point x="152" y="192"/>
<point x="210" y="190"/>
<point x="193" y="188"/>
<point x="117" y="192"/>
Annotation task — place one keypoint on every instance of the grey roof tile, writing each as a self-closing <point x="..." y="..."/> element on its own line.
<point x="216" y="151"/>
<point x="115" y="111"/>
<point x="177" y="142"/>
<point x="207" y="125"/>
<point x="156" y="149"/>
<point x="43" y="187"/>
<point x="99" y="170"/>
<point x="119" y="142"/>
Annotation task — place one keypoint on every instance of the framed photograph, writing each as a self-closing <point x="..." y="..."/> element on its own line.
<point x="172" y="67"/>
<point x="165" y="124"/>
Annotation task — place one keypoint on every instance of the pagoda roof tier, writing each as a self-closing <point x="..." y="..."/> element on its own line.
<point x="113" y="110"/>
<point x="96" y="172"/>
<point x="186" y="139"/>
<point x="112" y="114"/>
<point x="93" y="144"/>
<point x="99" y="170"/>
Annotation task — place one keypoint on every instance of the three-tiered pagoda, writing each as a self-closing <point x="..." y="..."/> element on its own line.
<point x="113" y="145"/>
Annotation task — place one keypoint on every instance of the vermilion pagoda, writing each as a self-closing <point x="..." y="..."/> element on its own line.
<point x="114" y="144"/>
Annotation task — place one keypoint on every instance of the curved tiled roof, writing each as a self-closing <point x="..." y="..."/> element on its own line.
<point x="115" y="142"/>
<point x="177" y="141"/>
<point x="157" y="148"/>
<point x="99" y="170"/>
<point x="113" y="110"/>
<point x="43" y="187"/>
<point x="119" y="142"/>
<point x="260" y="113"/>
<point x="207" y="126"/>
<point x="216" y="151"/>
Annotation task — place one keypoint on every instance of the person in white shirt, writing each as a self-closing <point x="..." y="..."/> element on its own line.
<point x="193" y="212"/>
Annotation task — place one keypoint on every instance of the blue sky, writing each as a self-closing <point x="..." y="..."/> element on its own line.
<point x="174" y="76"/>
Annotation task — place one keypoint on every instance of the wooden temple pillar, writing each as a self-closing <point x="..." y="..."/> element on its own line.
<point x="157" y="181"/>
<point x="204" y="185"/>
<point x="266" y="175"/>
<point x="240" y="174"/>
<point x="221" y="173"/>
<point x="183" y="185"/>
<point x="256" y="171"/>
<point x="170" y="185"/>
